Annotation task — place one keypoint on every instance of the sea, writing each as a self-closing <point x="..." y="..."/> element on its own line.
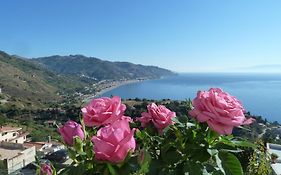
<point x="259" y="93"/>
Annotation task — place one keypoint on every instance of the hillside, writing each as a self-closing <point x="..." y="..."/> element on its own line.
<point x="99" y="69"/>
<point x="41" y="82"/>
<point x="24" y="83"/>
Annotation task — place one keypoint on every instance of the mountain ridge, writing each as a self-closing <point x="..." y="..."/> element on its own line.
<point x="34" y="84"/>
<point x="100" y="69"/>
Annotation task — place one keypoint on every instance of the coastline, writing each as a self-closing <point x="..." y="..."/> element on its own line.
<point x="112" y="86"/>
<point x="118" y="84"/>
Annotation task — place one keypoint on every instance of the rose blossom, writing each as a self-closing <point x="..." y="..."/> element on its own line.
<point x="46" y="169"/>
<point x="220" y="110"/>
<point x="160" y="116"/>
<point x="69" y="130"/>
<point x="103" y="111"/>
<point x="113" y="142"/>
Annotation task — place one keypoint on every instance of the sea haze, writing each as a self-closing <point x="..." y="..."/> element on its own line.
<point x="259" y="93"/>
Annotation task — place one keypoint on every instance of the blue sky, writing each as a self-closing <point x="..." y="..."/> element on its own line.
<point x="181" y="35"/>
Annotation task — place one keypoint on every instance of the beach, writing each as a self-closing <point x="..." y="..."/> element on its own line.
<point x="106" y="87"/>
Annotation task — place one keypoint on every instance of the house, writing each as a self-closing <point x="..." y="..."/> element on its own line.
<point x="14" y="156"/>
<point x="12" y="134"/>
<point x="44" y="148"/>
<point x="276" y="149"/>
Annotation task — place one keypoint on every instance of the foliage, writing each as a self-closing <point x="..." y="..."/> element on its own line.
<point x="186" y="147"/>
<point x="274" y="156"/>
<point x="260" y="161"/>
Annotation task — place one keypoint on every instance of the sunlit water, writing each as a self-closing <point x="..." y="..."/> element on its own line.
<point x="260" y="93"/>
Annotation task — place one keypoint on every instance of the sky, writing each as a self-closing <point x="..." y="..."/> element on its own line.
<point x="181" y="35"/>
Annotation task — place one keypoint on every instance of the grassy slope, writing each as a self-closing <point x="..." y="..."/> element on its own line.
<point x="26" y="83"/>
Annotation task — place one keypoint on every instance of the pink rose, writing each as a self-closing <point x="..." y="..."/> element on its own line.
<point x="113" y="142"/>
<point x="220" y="110"/>
<point x="103" y="111"/>
<point x="69" y="130"/>
<point x="46" y="169"/>
<point x="160" y="116"/>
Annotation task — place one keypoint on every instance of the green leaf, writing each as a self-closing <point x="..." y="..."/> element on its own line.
<point x="111" y="169"/>
<point x="241" y="127"/>
<point x="232" y="150"/>
<point x="182" y="118"/>
<point x="227" y="142"/>
<point x="193" y="168"/>
<point x="230" y="163"/>
<point x="165" y="130"/>
<point x="155" y="167"/>
<point x="172" y="156"/>
<point x="74" y="170"/>
<point x="212" y="152"/>
<point x="188" y="124"/>
<point x="72" y="154"/>
<point x="144" y="160"/>
<point x="217" y="172"/>
<point x="199" y="154"/>
<point x="139" y="134"/>
<point x="78" y="144"/>
<point x="176" y="120"/>
<point x="219" y="163"/>
<point x="244" y="143"/>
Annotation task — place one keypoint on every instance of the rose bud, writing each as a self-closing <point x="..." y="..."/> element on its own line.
<point x="69" y="130"/>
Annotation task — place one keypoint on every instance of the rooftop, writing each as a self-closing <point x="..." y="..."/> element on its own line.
<point x="6" y="153"/>
<point x="38" y="145"/>
<point x="8" y="129"/>
<point x="9" y="150"/>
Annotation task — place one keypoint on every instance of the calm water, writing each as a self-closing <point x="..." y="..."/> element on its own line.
<point x="260" y="93"/>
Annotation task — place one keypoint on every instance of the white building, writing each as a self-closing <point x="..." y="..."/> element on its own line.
<point x="44" y="148"/>
<point x="14" y="156"/>
<point x="276" y="149"/>
<point x="11" y="134"/>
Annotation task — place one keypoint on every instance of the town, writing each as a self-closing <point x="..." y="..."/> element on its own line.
<point x="18" y="153"/>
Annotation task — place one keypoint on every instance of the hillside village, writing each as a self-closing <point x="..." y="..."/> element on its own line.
<point x="18" y="151"/>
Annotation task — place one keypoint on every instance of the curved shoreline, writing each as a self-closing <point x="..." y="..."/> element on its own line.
<point x="114" y="86"/>
<point x="103" y="91"/>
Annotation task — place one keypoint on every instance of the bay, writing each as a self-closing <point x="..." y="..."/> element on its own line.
<point x="259" y="93"/>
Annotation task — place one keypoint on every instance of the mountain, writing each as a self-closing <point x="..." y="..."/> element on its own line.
<point x="24" y="83"/>
<point x="99" y="69"/>
<point x="41" y="82"/>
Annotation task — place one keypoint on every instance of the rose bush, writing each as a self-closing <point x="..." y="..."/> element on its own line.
<point x="220" y="110"/>
<point x="158" y="142"/>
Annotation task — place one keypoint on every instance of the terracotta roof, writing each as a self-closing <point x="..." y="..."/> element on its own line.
<point x="38" y="145"/>
<point x="8" y="128"/>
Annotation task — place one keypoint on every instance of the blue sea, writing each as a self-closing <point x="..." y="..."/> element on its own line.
<point x="259" y="93"/>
